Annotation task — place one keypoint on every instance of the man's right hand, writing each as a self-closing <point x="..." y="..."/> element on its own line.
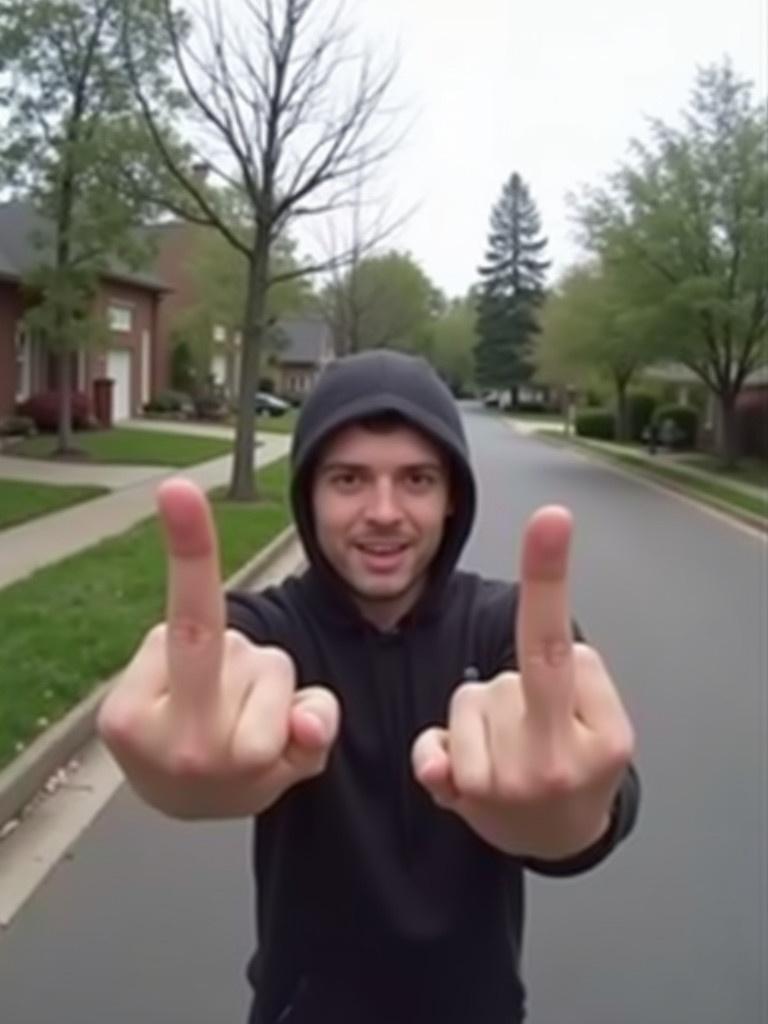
<point x="204" y="723"/>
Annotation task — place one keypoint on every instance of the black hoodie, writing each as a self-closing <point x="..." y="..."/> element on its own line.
<point x="375" y="906"/>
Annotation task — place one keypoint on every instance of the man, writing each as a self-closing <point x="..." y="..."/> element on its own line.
<point x="409" y="738"/>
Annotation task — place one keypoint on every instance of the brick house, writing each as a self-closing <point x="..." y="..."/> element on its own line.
<point x="176" y="247"/>
<point x="128" y="301"/>
<point x="297" y="348"/>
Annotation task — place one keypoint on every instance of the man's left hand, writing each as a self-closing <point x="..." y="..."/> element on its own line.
<point x="532" y="760"/>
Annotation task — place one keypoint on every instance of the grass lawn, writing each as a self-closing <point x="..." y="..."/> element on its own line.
<point x="284" y="424"/>
<point x="21" y="501"/>
<point x="72" y="625"/>
<point x="716" y="491"/>
<point x="131" y="447"/>
<point x="749" y="471"/>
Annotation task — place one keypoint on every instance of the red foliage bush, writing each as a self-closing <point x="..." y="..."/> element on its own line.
<point x="43" y="408"/>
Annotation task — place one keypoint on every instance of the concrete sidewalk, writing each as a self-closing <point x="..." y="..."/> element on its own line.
<point x="26" y="548"/>
<point x="48" y="471"/>
<point x="196" y="429"/>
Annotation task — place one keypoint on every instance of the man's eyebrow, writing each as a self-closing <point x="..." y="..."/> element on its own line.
<point x="410" y="467"/>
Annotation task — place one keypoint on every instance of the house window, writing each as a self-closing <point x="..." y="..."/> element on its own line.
<point x="120" y="319"/>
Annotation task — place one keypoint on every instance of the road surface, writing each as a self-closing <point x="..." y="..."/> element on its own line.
<point x="151" y="920"/>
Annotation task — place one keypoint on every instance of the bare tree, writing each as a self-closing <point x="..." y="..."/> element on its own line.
<point x="288" y="117"/>
<point x="343" y="301"/>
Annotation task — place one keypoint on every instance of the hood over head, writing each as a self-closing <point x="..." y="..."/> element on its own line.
<point x="371" y="383"/>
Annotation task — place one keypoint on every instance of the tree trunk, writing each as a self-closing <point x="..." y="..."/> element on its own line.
<point x="727" y="430"/>
<point x="622" y="411"/>
<point x="63" y="255"/>
<point x="242" y="485"/>
<point x="64" y="359"/>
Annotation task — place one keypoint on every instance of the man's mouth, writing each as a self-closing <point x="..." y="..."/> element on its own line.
<point x="382" y="556"/>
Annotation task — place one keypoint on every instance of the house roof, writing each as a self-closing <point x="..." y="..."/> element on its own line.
<point x="21" y="226"/>
<point x="303" y="340"/>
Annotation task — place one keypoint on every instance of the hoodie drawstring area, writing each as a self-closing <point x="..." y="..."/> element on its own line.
<point x="394" y="679"/>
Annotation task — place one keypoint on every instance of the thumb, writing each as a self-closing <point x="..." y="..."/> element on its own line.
<point x="432" y="766"/>
<point x="313" y="727"/>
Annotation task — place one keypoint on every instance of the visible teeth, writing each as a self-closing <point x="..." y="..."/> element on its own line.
<point x="374" y="550"/>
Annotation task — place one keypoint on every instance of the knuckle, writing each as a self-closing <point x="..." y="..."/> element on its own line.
<point x="548" y="781"/>
<point x="472" y="783"/>
<point x="466" y="696"/>
<point x="235" y="643"/>
<point x="260" y="755"/>
<point x="555" y="780"/>
<point x="619" y="749"/>
<point x="116" y="725"/>
<point x="588" y="658"/>
<point x="274" y="660"/>
<point x="188" y="633"/>
<point x="190" y="762"/>
<point x="156" y="637"/>
<point x="510" y="789"/>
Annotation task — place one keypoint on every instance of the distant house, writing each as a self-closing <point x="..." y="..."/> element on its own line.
<point x="129" y="301"/>
<point x="303" y="348"/>
<point x="177" y="247"/>
<point x="751" y="404"/>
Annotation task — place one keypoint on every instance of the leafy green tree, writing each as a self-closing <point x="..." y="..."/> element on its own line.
<point x="454" y="337"/>
<point x="589" y="326"/>
<point x="685" y="224"/>
<point x="511" y="291"/>
<point x="69" y="122"/>
<point x="382" y="301"/>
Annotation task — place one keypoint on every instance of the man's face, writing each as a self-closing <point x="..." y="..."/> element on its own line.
<point x="380" y="502"/>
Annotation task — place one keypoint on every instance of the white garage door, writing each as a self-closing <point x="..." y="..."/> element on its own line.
<point x="119" y="369"/>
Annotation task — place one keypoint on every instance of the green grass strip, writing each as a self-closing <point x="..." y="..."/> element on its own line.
<point x="716" y="492"/>
<point x="73" y="624"/>
<point x="132" y="447"/>
<point x="21" y="501"/>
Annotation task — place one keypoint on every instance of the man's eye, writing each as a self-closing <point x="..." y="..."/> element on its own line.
<point x="344" y="480"/>
<point x="421" y="481"/>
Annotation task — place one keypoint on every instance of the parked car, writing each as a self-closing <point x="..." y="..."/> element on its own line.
<point x="270" y="405"/>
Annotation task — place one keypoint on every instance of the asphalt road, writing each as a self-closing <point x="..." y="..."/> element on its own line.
<point x="151" y="920"/>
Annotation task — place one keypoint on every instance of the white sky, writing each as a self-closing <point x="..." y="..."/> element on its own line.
<point x="551" y="88"/>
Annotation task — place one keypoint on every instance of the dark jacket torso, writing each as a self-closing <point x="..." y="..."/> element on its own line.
<point x="373" y="904"/>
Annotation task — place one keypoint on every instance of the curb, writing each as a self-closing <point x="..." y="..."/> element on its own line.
<point x="638" y="471"/>
<point x="25" y="776"/>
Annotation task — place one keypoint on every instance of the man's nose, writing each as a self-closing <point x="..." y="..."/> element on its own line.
<point x="383" y="507"/>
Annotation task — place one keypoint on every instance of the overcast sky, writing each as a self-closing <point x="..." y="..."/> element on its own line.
<point x="553" y="89"/>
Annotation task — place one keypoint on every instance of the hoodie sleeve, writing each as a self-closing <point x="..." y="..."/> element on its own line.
<point x="252" y="615"/>
<point x="502" y="657"/>
<point x="623" y="816"/>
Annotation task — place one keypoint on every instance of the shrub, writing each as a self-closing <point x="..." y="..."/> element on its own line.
<point x="43" y="409"/>
<point x="640" y="409"/>
<point x="16" y="426"/>
<point x="597" y="423"/>
<point x="183" y="374"/>
<point x="686" y="421"/>
<point x="169" y="401"/>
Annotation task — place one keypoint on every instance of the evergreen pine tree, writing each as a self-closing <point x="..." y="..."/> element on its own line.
<point x="511" y="290"/>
